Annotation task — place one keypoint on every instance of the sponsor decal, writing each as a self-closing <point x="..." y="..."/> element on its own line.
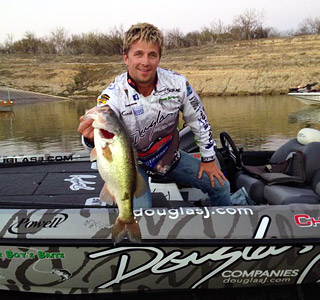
<point x="195" y="103"/>
<point x="126" y="113"/>
<point x="189" y="89"/>
<point x="205" y="212"/>
<point x="78" y="182"/>
<point x="95" y="201"/>
<point x="138" y="110"/>
<point x="245" y="277"/>
<point x="131" y="104"/>
<point x="62" y="273"/>
<point x="9" y="254"/>
<point x="102" y="99"/>
<point x="141" y="133"/>
<point x="304" y="220"/>
<point x="91" y="223"/>
<point x="131" y="82"/>
<point x="151" y="162"/>
<point x="105" y="96"/>
<point x="154" y="147"/>
<point x="159" y="262"/>
<point x="112" y="86"/>
<point x="135" y="97"/>
<point x="155" y="261"/>
<point x="203" y="120"/>
<point x="35" y="159"/>
<point x="29" y="226"/>
<point x="165" y="91"/>
<point x="207" y="159"/>
<point x="211" y="142"/>
<point x="169" y="98"/>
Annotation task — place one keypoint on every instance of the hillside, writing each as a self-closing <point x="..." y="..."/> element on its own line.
<point x="258" y="67"/>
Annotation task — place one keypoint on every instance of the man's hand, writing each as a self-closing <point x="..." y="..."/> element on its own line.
<point x="85" y="128"/>
<point x="212" y="169"/>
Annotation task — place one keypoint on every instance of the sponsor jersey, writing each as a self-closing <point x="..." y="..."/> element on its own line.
<point x="152" y="121"/>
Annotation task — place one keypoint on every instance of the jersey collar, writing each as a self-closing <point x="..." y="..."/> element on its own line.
<point x="133" y="84"/>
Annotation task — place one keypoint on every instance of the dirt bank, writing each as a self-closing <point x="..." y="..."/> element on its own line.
<point x="258" y="67"/>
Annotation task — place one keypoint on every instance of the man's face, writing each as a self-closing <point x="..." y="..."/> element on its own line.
<point x="142" y="61"/>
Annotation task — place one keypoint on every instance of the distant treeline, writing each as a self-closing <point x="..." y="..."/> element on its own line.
<point x="246" y="26"/>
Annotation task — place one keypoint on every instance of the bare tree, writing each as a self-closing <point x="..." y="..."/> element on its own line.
<point x="219" y="30"/>
<point x="58" y="38"/>
<point x="8" y="43"/>
<point x="28" y="44"/>
<point x="309" y="26"/>
<point x="247" y="23"/>
<point x="173" y="38"/>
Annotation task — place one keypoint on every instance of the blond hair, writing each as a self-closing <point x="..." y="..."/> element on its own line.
<point x="142" y="31"/>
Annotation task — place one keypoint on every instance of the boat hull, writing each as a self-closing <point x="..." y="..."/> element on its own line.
<point x="307" y="98"/>
<point x="6" y="105"/>
<point x="70" y="251"/>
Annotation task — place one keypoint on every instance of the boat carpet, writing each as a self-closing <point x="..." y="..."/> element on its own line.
<point x="58" y="185"/>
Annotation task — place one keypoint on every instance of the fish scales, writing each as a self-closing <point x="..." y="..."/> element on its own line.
<point x="117" y="167"/>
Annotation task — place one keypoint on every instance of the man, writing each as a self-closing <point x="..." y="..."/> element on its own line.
<point x="147" y="99"/>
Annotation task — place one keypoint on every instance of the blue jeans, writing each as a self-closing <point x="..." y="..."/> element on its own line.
<point x="186" y="171"/>
<point x="144" y="201"/>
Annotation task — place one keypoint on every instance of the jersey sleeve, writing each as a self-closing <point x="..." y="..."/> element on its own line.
<point x="194" y="115"/>
<point x="110" y="97"/>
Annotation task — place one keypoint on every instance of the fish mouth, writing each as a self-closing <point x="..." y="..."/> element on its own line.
<point x="106" y="134"/>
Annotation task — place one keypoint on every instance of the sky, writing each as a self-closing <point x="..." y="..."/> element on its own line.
<point x="41" y="17"/>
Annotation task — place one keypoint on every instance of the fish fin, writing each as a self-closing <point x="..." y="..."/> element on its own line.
<point x="141" y="186"/>
<point x="106" y="196"/>
<point x="93" y="154"/>
<point x="134" y="233"/>
<point x="107" y="153"/>
<point x="130" y="230"/>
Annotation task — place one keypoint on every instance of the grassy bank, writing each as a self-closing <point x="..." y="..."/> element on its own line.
<point x="258" y="67"/>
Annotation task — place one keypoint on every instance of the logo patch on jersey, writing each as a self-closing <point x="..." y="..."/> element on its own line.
<point x="138" y="110"/>
<point x="135" y="97"/>
<point x="112" y="86"/>
<point x="103" y="99"/>
<point x="155" y="151"/>
<point x="189" y="89"/>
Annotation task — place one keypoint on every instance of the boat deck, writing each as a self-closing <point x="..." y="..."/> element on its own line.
<point x="56" y="185"/>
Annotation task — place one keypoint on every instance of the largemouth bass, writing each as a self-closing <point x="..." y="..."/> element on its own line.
<point x="117" y="167"/>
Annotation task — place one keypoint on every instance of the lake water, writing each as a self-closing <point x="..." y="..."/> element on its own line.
<point x="254" y="122"/>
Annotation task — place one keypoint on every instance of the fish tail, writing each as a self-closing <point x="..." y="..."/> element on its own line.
<point x="122" y="229"/>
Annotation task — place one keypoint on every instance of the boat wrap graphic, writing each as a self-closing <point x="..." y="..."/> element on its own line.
<point x="70" y="250"/>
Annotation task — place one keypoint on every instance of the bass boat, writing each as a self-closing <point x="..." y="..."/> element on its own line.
<point x="55" y="233"/>
<point x="306" y="94"/>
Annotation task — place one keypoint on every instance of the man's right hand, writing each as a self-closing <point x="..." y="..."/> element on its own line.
<point x="85" y="128"/>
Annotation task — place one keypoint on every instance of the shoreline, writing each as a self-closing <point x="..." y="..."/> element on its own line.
<point x="240" y="68"/>
<point x="20" y="96"/>
<point x="26" y="97"/>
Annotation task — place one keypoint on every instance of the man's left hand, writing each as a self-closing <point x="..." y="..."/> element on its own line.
<point x="212" y="169"/>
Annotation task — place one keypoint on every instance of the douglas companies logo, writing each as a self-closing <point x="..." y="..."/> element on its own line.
<point x="29" y="226"/>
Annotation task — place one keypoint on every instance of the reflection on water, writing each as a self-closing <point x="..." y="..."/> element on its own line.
<point x="258" y="122"/>
<point x="307" y="115"/>
<point x="254" y="122"/>
<point x="42" y="128"/>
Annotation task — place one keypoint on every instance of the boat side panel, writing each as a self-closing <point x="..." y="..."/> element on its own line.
<point x="298" y="221"/>
<point x="62" y="269"/>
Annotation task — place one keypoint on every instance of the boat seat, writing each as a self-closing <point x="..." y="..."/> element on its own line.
<point x="286" y="193"/>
